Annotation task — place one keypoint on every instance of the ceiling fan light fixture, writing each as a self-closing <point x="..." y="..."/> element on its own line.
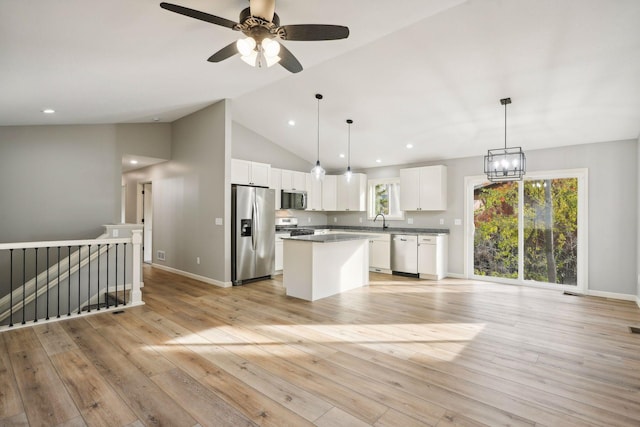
<point x="251" y="59"/>
<point x="246" y="46"/>
<point x="270" y="47"/>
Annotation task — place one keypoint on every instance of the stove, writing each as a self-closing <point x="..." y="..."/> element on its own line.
<point x="290" y="224"/>
<point x="302" y="232"/>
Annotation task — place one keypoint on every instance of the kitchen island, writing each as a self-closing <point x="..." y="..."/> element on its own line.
<point x="318" y="266"/>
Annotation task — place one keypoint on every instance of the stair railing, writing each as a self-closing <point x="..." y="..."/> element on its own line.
<point x="53" y="280"/>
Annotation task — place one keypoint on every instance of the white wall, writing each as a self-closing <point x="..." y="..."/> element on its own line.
<point x="613" y="207"/>
<point x="190" y="191"/>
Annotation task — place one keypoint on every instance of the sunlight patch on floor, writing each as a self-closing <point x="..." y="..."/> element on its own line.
<point x="443" y="341"/>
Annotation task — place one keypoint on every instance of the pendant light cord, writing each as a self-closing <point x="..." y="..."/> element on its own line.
<point x="505" y="126"/>
<point x="319" y="97"/>
<point x="349" y="144"/>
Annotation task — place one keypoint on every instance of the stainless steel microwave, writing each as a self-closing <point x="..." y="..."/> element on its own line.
<point x="294" y="199"/>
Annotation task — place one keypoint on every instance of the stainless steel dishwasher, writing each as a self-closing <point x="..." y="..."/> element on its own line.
<point x="404" y="253"/>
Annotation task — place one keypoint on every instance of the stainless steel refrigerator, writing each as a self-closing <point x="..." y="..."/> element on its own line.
<point x="253" y="233"/>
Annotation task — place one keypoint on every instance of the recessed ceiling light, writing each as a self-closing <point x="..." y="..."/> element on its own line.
<point x="133" y="162"/>
<point x="156" y="119"/>
<point x="378" y="161"/>
<point x="342" y="155"/>
<point x="409" y="146"/>
<point x="292" y="122"/>
<point x="48" y="111"/>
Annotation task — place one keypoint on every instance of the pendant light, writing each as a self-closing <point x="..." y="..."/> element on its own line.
<point x="505" y="164"/>
<point x="348" y="173"/>
<point x="318" y="171"/>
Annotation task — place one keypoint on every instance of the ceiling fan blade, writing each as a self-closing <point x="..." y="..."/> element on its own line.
<point x="288" y="61"/>
<point x="263" y="9"/>
<point x="192" y="13"/>
<point x="224" y="53"/>
<point x="314" y="32"/>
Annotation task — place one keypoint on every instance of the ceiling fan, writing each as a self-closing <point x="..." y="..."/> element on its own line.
<point x="261" y="26"/>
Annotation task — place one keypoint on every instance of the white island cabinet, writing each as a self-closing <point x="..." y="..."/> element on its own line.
<point x="318" y="266"/>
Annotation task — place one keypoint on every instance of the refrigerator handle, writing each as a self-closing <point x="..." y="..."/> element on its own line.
<point x="304" y="200"/>
<point x="254" y="225"/>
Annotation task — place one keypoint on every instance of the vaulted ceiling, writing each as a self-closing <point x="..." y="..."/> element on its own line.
<point x="424" y="72"/>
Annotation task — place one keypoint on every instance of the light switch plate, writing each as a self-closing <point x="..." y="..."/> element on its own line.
<point x="409" y="221"/>
<point x="218" y="221"/>
<point x="116" y="233"/>
<point x="457" y="221"/>
<point x="441" y="221"/>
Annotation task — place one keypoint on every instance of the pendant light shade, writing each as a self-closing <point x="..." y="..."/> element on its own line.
<point x="318" y="171"/>
<point x="505" y="164"/>
<point x="348" y="173"/>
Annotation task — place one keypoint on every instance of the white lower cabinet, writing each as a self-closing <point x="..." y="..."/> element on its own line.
<point x="432" y="256"/>
<point x="279" y="258"/>
<point x="380" y="253"/>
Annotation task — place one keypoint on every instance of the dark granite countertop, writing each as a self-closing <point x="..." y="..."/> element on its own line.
<point x="329" y="238"/>
<point x="390" y="230"/>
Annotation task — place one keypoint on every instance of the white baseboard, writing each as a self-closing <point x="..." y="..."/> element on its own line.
<point x="194" y="276"/>
<point x="612" y="295"/>
<point x="638" y="301"/>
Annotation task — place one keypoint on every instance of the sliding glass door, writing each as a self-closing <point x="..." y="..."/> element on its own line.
<point x="529" y="232"/>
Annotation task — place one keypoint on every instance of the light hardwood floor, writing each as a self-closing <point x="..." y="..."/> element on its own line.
<point x="400" y="352"/>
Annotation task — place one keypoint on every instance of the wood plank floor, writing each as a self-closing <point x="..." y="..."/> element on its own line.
<point x="400" y="352"/>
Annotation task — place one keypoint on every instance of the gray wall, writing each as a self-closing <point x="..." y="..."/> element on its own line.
<point x="638" y="220"/>
<point x="248" y="145"/>
<point x="189" y="192"/>
<point x="145" y="139"/>
<point x="58" y="182"/>
<point x="613" y="208"/>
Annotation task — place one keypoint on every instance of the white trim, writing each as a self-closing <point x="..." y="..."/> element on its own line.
<point x="193" y="276"/>
<point x="638" y="301"/>
<point x="455" y="276"/>
<point x="612" y="295"/>
<point x="61" y="243"/>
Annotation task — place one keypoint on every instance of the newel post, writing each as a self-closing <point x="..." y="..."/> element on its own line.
<point x="136" y="293"/>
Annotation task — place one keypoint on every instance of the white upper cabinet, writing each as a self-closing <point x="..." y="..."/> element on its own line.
<point x="352" y="195"/>
<point x="250" y="173"/>
<point x="329" y="187"/>
<point x="314" y="193"/>
<point x="294" y="180"/>
<point x="275" y="182"/>
<point x="423" y="189"/>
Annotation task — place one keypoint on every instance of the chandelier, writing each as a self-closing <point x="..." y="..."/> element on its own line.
<point x="508" y="163"/>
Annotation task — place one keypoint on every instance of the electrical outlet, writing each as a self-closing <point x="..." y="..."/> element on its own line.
<point x="197" y="260"/>
<point x="441" y="221"/>
<point x="335" y="219"/>
<point x="457" y="221"/>
<point x="116" y="233"/>
<point x="160" y="255"/>
<point x="409" y="221"/>
<point x="218" y="221"/>
<point x="309" y="219"/>
<point x="360" y="220"/>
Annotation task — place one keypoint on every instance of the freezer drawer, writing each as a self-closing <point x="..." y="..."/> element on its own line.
<point x="404" y="253"/>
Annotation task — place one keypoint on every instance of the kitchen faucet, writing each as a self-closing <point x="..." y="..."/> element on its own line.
<point x="384" y="223"/>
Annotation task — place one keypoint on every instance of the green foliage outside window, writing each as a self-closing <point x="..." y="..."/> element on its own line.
<point x="550" y="230"/>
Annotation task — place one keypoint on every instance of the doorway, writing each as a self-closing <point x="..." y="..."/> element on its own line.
<point x="145" y="217"/>
<point x="529" y="232"/>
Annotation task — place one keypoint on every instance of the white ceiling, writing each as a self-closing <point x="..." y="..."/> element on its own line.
<point x="426" y="72"/>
